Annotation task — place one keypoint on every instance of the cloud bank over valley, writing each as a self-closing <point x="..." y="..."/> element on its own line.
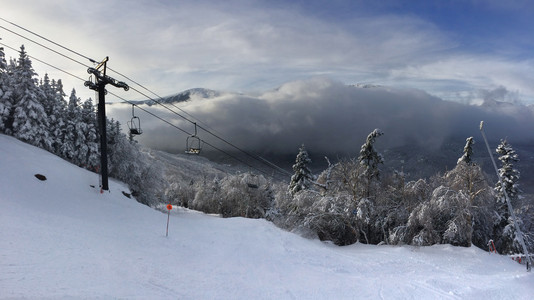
<point x="332" y="118"/>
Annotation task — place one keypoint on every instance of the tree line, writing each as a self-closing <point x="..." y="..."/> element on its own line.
<point x="353" y="201"/>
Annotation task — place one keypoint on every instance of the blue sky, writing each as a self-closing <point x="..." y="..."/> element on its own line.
<point x="456" y="50"/>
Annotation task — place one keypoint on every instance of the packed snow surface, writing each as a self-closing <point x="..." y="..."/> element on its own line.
<point x="61" y="239"/>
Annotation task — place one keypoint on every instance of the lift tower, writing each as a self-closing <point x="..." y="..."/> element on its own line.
<point x="99" y="85"/>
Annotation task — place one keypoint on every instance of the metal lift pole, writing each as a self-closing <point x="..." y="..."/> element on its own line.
<point x="101" y="80"/>
<point x="103" y="132"/>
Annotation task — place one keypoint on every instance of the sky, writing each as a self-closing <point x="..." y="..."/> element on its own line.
<point x="285" y="70"/>
<point x="453" y="49"/>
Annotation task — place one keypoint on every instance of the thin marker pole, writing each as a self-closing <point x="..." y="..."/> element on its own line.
<point x="169" y="208"/>
<point x="168" y="217"/>
<point x="519" y="234"/>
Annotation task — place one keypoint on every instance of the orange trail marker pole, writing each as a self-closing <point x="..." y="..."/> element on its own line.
<point x="169" y="207"/>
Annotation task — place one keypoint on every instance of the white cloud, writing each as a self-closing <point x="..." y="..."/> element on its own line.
<point x="170" y="46"/>
<point x="332" y="118"/>
<point x="471" y="73"/>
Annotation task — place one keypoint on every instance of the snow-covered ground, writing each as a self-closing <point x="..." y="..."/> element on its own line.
<point x="62" y="239"/>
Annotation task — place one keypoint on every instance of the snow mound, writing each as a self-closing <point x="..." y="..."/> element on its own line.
<point x="61" y="238"/>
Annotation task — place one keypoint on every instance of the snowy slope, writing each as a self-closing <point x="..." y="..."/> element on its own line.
<point x="62" y="239"/>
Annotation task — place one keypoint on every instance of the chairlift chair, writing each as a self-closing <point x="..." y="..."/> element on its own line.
<point x="134" y="125"/>
<point x="193" y="143"/>
<point x="253" y="181"/>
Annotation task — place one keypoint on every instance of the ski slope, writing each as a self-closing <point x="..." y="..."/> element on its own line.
<point x="62" y="239"/>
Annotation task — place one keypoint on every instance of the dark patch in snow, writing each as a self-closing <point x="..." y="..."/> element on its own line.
<point x="40" y="177"/>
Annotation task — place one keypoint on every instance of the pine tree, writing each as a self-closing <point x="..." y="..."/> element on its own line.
<point x="7" y="101"/>
<point x="89" y="152"/>
<point x="58" y="120"/>
<point x="369" y="159"/>
<point x="504" y="226"/>
<point x="5" y="104"/>
<point x="68" y="148"/>
<point x="303" y="177"/>
<point x="3" y="64"/>
<point x="30" y="122"/>
<point x="468" y="151"/>
<point x="509" y="175"/>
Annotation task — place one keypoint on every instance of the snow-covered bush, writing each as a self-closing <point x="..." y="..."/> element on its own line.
<point x="208" y="196"/>
<point x="179" y="192"/>
<point x="245" y="195"/>
<point x="242" y="195"/>
<point x="445" y="218"/>
<point x="471" y="180"/>
<point x="144" y="175"/>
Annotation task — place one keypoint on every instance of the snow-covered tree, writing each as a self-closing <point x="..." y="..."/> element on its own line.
<point x="3" y="64"/>
<point x="5" y="103"/>
<point x="369" y="159"/>
<point x="504" y="230"/>
<point x="89" y="152"/>
<point x="471" y="181"/>
<point x="245" y="195"/>
<point x="413" y="194"/>
<point x="30" y="122"/>
<point x="58" y="119"/>
<point x="342" y="177"/>
<point x="207" y="199"/>
<point x="49" y="95"/>
<point x="468" y="151"/>
<point x="68" y="148"/>
<point x="330" y="217"/>
<point x="303" y="178"/>
<point x="131" y="164"/>
<point x="509" y="175"/>
<point x="7" y="109"/>
<point x="444" y="218"/>
<point x="54" y="105"/>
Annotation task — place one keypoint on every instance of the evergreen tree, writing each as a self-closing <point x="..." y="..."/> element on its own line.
<point x="303" y="177"/>
<point x="509" y="175"/>
<point x="6" y="100"/>
<point x="89" y="152"/>
<point x="504" y="230"/>
<point x="68" y="148"/>
<point x="51" y="109"/>
<point x="369" y="159"/>
<point x="468" y="151"/>
<point x="5" y="104"/>
<point x="3" y="64"/>
<point x="30" y="122"/>
<point x="58" y="118"/>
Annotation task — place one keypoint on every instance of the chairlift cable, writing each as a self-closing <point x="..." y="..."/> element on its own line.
<point x="84" y="56"/>
<point x="46" y="39"/>
<point x="43" y="62"/>
<point x="48" y="48"/>
<point x="93" y="61"/>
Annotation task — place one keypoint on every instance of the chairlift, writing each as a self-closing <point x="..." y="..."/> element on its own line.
<point x="134" y="125"/>
<point x="253" y="181"/>
<point x="193" y="143"/>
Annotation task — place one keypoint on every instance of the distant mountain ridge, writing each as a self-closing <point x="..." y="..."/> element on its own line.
<point x="182" y="96"/>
